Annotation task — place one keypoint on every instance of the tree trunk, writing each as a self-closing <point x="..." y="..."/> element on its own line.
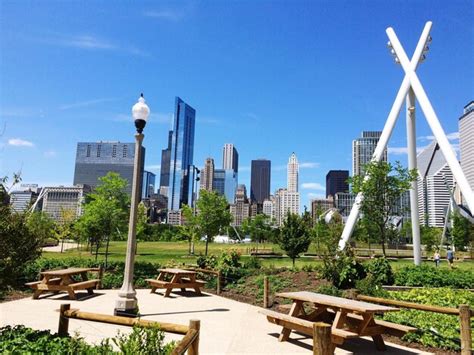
<point x="207" y="242"/>
<point x="96" y="250"/>
<point x="293" y="262"/>
<point x="62" y="245"/>
<point x="107" y="251"/>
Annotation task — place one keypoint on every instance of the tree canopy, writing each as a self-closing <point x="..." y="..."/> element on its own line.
<point x="294" y="236"/>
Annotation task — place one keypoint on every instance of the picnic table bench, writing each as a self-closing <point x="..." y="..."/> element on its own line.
<point x="63" y="280"/>
<point x="348" y="318"/>
<point x="171" y="278"/>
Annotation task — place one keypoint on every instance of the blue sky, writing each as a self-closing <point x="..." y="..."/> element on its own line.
<point x="272" y="77"/>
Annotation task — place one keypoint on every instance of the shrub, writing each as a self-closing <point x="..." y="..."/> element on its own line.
<point x="380" y="271"/>
<point x="343" y="270"/>
<point x="437" y="330"/>
<point x="429" y="276"/>
<point x="370" y="287"/>
<point x="253" y="263"/>
<point x="330" y="290"/>
<point x="143" y="341"/>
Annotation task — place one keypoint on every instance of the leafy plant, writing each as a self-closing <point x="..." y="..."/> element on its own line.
<point x="429" y="276"/>
<point x="143" y="341"/>
<point x="294" y="236"/>
<point x="343" y="270"/>
<point x="380" y="271"/>
<point x="330" y="290"/>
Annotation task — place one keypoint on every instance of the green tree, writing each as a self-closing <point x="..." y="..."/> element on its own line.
<point x="65" y="225"/>
<point x="430" y="237"/>
<point x="106" y="212"/>
<point x="258" y="228"/>
<point x="462" y="231"/>
<point x="142" y="224"/>
<point x="294" y="236"/>
<point x="213" y="214"/>
<point x="381" y="190"/>
<point x="190" y="228"/>
<point x="41" y="225"/>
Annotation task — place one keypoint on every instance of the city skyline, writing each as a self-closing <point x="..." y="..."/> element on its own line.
<point x="261" y="116"/>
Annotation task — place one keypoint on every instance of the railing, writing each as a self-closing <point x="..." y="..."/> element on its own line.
<point x="464" y="312"/>
<point x="189" y="343"/>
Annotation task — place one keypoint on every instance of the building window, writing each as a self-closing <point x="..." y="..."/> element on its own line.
<point x="114" y="151"/>
<point x="99" y="147"/>
<point x="88" y="151"/>
<point x="125" y="151"/>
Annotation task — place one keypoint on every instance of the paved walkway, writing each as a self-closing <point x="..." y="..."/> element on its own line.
<point x="57" y="248"/>
<point x="227" y="326"/>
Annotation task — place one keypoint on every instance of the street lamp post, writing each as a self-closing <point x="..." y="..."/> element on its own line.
<point x="126" y="304"/>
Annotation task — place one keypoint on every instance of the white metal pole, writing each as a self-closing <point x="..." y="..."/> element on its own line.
<point x="386" y="133"/>
<point x="411" y="142"/>
<point x="433" y="121"/>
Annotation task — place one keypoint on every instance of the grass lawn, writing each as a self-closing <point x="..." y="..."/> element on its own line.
<point x="162" y="252"/>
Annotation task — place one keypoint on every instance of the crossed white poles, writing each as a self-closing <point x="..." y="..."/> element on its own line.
<point x="410" y="89"/>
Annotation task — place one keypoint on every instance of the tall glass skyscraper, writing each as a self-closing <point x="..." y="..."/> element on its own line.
<point x="363" y="149"/>
<point x="165" y="166"/>
<point x="182" y="148"/>
<point x="260" y="180"/>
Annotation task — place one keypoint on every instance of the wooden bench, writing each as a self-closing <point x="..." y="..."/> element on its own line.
<point x="394" y="329"/>
<point x="305" y="326"/>
<point x="34" y="284"/>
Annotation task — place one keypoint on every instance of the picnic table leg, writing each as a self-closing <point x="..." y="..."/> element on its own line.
<point x="377" y="338"/>
<point x="175" y="279"/>
<point x="193" y="279"/>
<point x="36" y="294"/>
<point x="294" y="311"/>
<point x="72" y="294"/>
<point x="379" y="343"/>
<point x="339" y="321"/>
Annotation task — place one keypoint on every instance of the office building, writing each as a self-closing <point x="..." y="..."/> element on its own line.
<point x="292" y="173"/>
<point x="207" y="175"/>
<point x="344" y="201"/>
<point x="148" y="185"/>
<point x="165" y="166"/>
<point x="336" y="181"/>
<point x="240" y="209"/>
<point x="269" y="207"/>
<point x="230" y="158"/>
<point x="260" y="180"/>
<point x="286" y="202"/>
<point x="23" y="199"/>
<point x="363" y="149"/>
<point x="181" y="160"/>
<point x="218" y="181"/>
<point x="94" y="160"/>
<point x="435" y="181"/>
<point x="466" y="143"/>
<point x="174" y="217"/>
<point x="59" y="198"/>
<point x="320" y="206"/>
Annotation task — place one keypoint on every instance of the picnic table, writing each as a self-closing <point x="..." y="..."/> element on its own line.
<point x="176" y="278"/>
<point x="348" y="318"/>
<point x="63" y="280"/>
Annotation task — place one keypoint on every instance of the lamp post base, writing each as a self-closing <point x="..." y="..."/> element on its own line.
<point x="126" y="308"/>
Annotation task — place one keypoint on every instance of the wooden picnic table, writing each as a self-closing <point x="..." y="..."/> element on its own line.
<point x="63" y="280"/>
<point x="176" y="278"/>
<point x="348" y="318"/>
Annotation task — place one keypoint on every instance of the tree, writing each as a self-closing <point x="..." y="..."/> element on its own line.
<point x="258" y="228"/>
<point x="294" y="236"/>
<point x="382" y="191"/>
<point x="462" y="231"/>
<point x="65" y="225"/>
<point x="430" y="237"/>
<point x="213" y="214"/>
<point x="142" y="224"/>
<point x="41" y="225"/>
<point x="105" y="212"/>
<point x="190" y="229"/>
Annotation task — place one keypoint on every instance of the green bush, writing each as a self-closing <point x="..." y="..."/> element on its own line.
<point x="330" y="290"/>
<point x="23" y="340"/>
<point x="370" y="287"/>
<point x="429" y="276"/>
<point x="343" y="270"/>
<point x="253" y="263"/>
<point x="380" y="271"/>
<point x="435" y="329"/>
<point x="228" y="263"/>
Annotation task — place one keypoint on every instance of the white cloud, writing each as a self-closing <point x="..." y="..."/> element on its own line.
<point x="451" y="136"/>
<point x="313" y="186"/>
<point x="315" y="195"/>
<point x="85" y="103"/>
<point x="88" y="42"/>
<point x="18" y="142"/>
<point x="164" y="14"/>
<point x="309" y="165"/>
<point x="50" y="154"/>
<point x="153" y="167"/>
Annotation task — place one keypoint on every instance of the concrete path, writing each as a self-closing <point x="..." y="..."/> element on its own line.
<point x="227" y="326"/>
<point x="57" y="248"/>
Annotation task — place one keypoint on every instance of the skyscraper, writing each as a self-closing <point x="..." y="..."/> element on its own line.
<point x="148" y="187"/>
<point x="182" y="148"/>
<point x="260" y="180"/>
<point x="466" y="142"/>
<point x="230" y="158"/>
<point x="286" y="202"/>
<point x="434" y="183"/>
<point x="94" y="160"/>
<point x="363" y="149"/>
<point x="240" y="209"/>
<point x="292" y="173"/>
<point x="207" y="175"/>
<point x="336" y="181"/>
<point x="165" y="166"/>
